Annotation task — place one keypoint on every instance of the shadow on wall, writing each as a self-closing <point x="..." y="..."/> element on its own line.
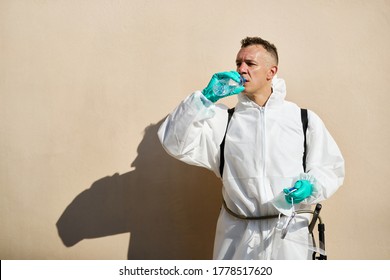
<point x="170" y="208"/>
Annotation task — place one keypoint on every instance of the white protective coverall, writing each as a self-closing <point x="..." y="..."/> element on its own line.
<point x="263" y="155"/>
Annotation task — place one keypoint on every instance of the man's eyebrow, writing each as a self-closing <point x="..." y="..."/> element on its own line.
<point x="246" y="60"/>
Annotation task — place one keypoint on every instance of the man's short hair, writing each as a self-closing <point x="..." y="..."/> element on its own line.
<point x="269" y="47"/>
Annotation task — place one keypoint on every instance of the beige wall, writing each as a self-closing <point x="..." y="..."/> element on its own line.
<point x="85" y="84"/>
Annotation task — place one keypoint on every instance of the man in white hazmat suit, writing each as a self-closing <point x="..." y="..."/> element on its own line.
<point x="263" y="154"/>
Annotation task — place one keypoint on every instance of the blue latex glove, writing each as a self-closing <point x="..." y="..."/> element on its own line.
<point x="301" y="190"/>
<point x="210" y="94"/>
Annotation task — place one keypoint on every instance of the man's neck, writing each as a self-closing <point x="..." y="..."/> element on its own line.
<point x="262" y="97"/>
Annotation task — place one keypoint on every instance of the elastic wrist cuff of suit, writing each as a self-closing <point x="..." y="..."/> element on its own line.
<point x="206" y="102"/>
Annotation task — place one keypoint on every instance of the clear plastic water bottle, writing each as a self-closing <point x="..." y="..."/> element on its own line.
<point x="226" y="87"/>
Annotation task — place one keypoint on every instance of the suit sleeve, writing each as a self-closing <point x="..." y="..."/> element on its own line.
<point x="325" y="163"/>
<point x="193" y="132"/>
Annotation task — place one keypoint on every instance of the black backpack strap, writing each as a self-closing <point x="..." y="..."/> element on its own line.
<point x="222" y="146"/>
<point x="304" y="126"/>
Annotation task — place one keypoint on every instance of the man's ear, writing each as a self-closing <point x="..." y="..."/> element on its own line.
<point x="272" y="72"/>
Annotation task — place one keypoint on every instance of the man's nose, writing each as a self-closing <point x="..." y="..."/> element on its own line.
<point x="242" y="69"/>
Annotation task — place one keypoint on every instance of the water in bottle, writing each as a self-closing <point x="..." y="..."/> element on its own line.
<point x="225" y="87"/>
